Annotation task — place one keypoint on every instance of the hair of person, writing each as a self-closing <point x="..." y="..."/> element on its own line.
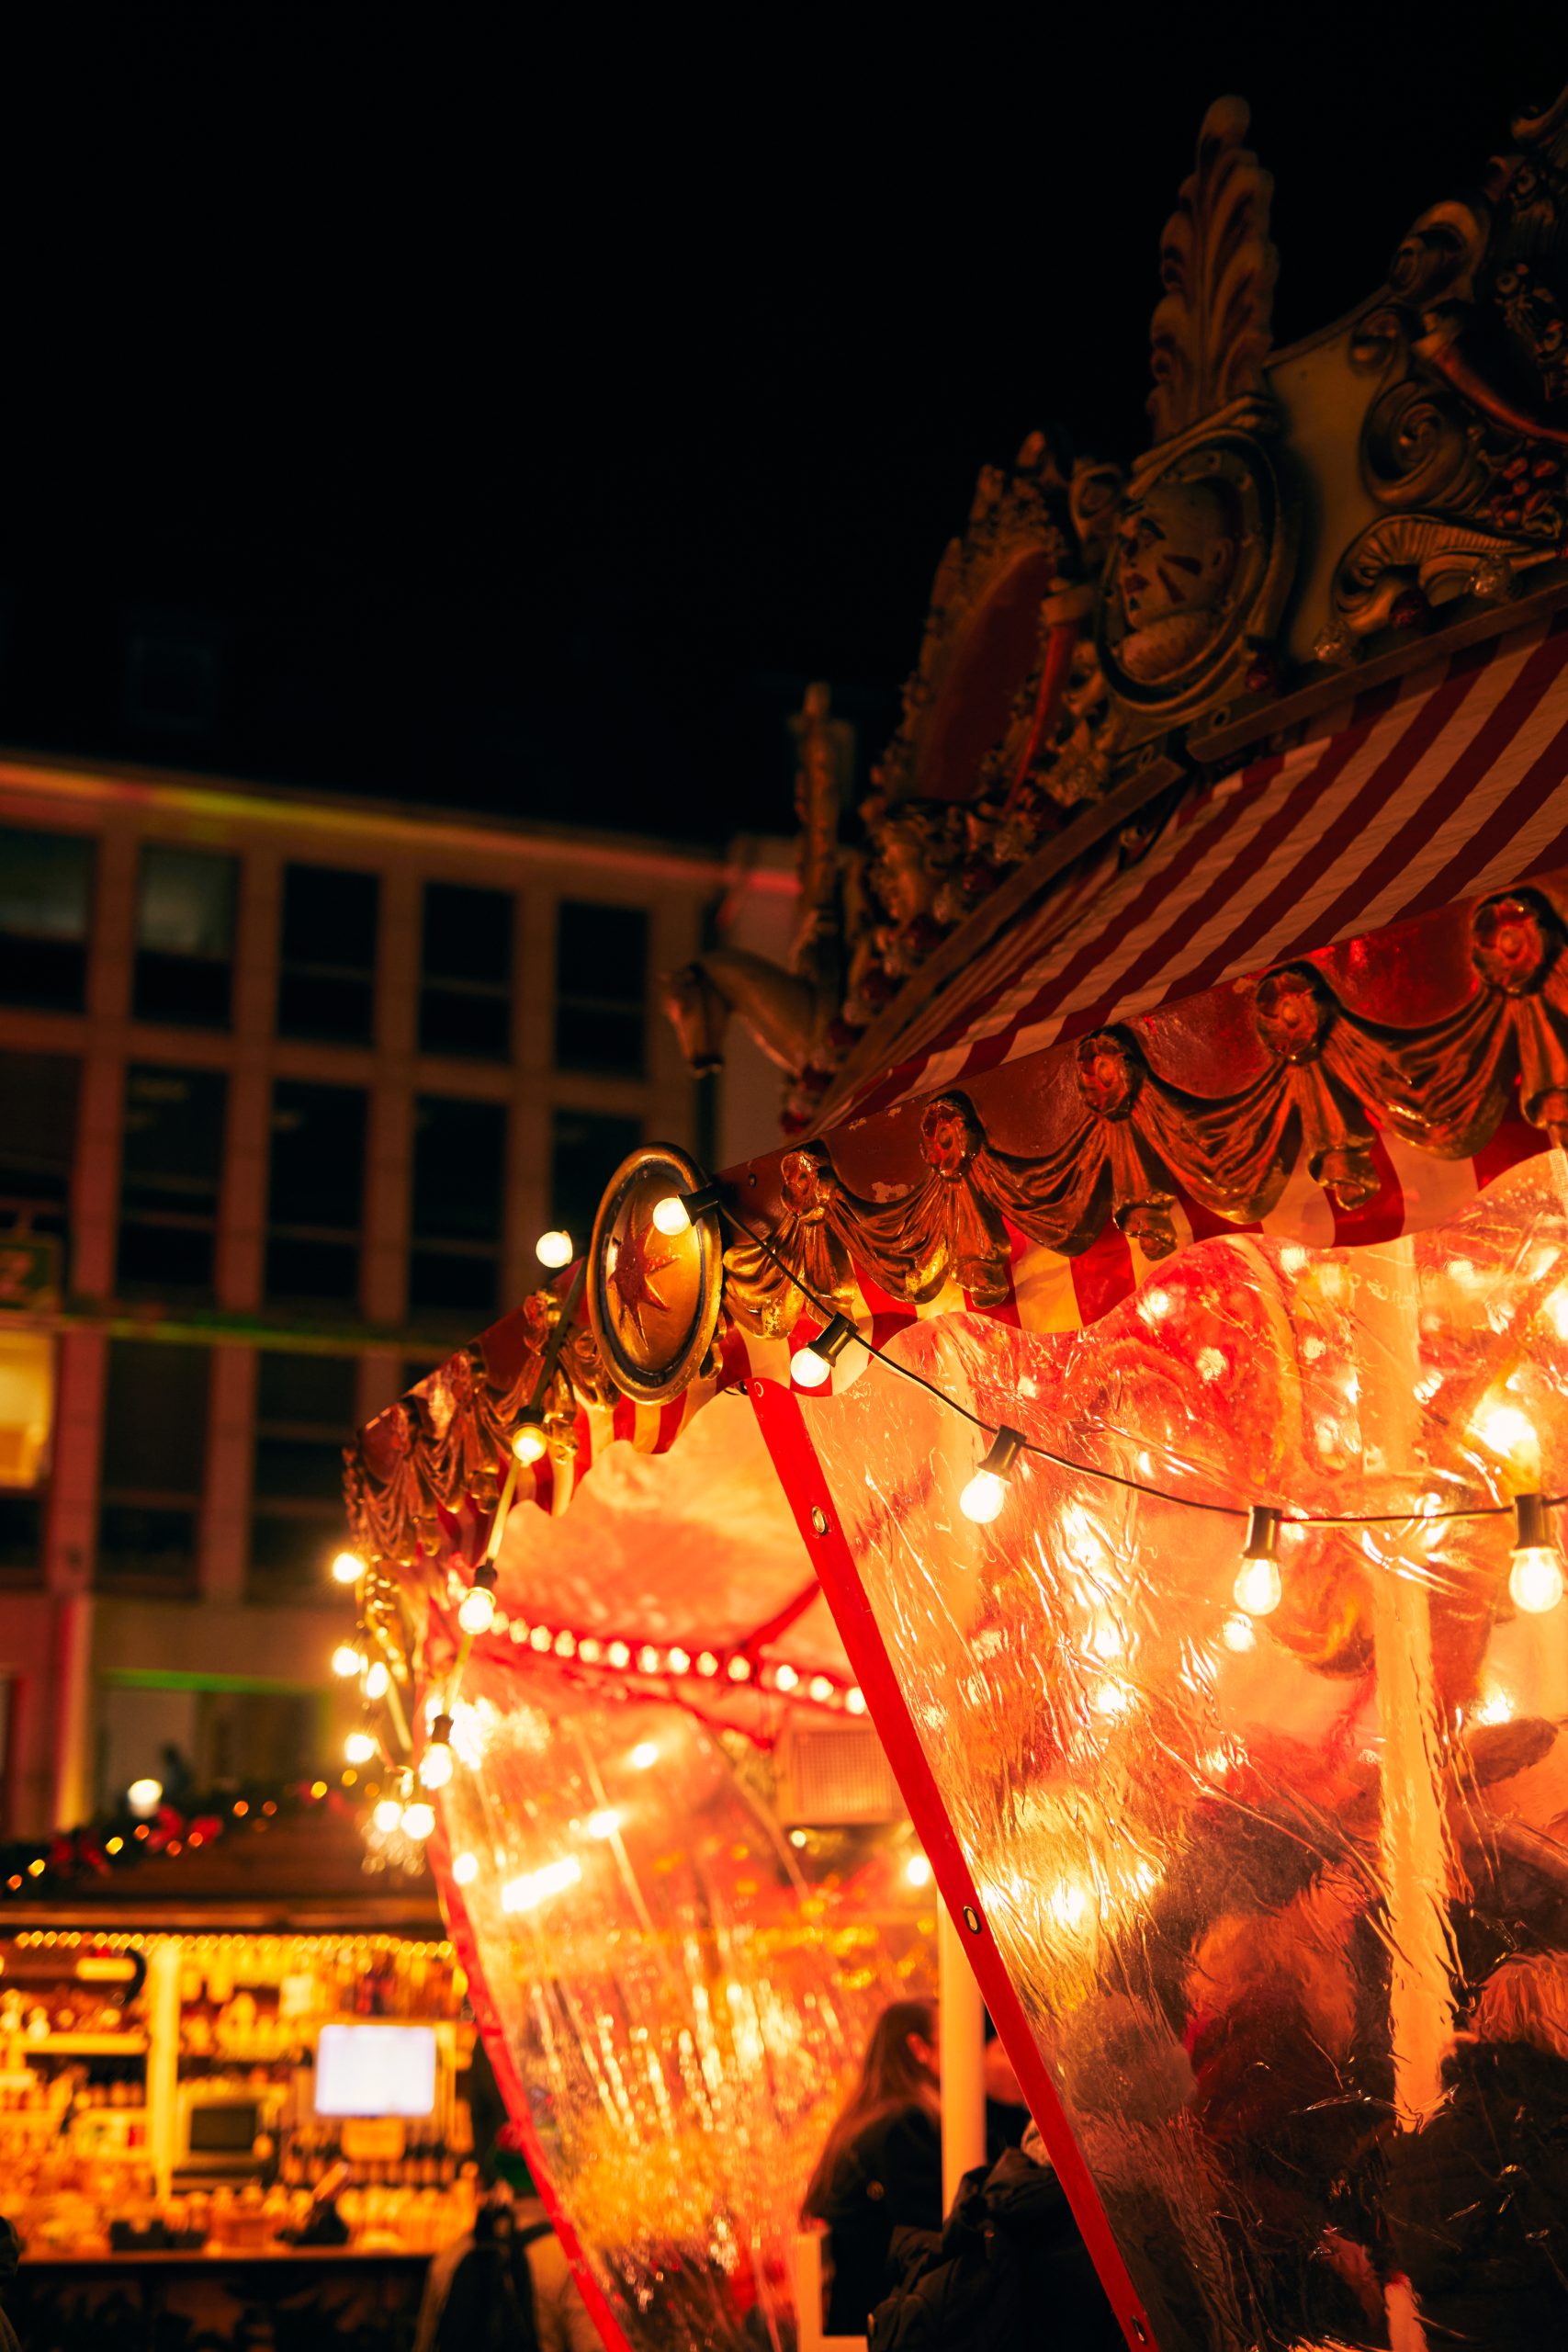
<point x="890" y="2076"/>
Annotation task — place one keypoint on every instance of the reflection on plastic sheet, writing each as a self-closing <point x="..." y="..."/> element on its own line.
<point x="682" y="2001"/>
<point x="1276" y="1852"/>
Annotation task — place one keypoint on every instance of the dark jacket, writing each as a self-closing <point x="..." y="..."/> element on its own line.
<point x="888" y="2177"/>
<point x="1009" y="2268"/>
<point x="1478" y="2201"/>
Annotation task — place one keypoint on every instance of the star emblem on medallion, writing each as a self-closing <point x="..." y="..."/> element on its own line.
<point x="635" y="1271"/>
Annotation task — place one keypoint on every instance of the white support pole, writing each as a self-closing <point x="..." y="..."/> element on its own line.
<point x="961" y="2041"/>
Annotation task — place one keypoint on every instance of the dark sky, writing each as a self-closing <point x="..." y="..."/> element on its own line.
<point x="530" y="412"/>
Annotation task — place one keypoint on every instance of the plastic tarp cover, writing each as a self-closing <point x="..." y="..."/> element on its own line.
<point x="682" y="1991"/>
<point x="1283" y="1886"/>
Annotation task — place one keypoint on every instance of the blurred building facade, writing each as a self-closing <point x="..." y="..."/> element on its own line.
<point x="289" y="1089"/>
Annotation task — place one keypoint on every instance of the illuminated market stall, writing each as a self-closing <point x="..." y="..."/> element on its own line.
<point x="1138" y="1384"/>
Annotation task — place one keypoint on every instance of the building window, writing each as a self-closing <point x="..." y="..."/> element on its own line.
<point x="37" y="1140"/>
<point x="601" y="988"/>
<point x="464" y="997"/>
<point x="586" y="1148"/>
<point x="316" y="1193"/>
<point x="27" y="1417"/>
<point x="154" y="1465"/>
<point x="459" y="1188"/>
<point x="171" y="1170"/>
<point x="184" y="935"/>
<point x="326" y="986"/>
<point x="46" y="888"/>
<point x="305" y="1416"/>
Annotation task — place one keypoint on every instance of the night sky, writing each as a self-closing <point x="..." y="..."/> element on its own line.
<point x="526" y="414"/>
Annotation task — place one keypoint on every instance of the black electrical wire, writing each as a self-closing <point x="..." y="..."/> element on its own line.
<point x="1093" y="1470"/>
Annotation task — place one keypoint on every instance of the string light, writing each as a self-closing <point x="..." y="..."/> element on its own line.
<point x="379" y="1680"/>
<point x="346" y="1660"/>
<point x="529" y="1441"/>
<point x="1535" y="1577"/>
<point x="554" y="1248"/>
<point x="144" y="1797"/>
<point x="419" y="1821"/>
<point x="918" y="1870"/>
<point x="358" y="1748"/>
<point x="347" y="1568"/>
<point x="645" y="1755"/>
<point x="785" y="1678"/>
<point x="1258" y="1590"/>
<point x="987" y="1492"/>
<point x="812" y="1364"/>
<point x="677" y="1212"/>
<point x="389" y="1815"/>
<point x="465" y="1869"/>
<point x="475" y="1611"/>
<point x="435" y="1764"/>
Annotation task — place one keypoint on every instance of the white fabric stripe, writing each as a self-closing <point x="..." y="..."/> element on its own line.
<point x="1205" y="884"/>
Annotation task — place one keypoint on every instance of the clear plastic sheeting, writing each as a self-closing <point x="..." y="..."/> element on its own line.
<point x="683" y="1990"/>
<point x="1276" y="1852"/>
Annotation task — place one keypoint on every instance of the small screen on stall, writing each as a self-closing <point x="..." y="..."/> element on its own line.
<point x="225" y="2128"/>
<point x="376" y="2070"/>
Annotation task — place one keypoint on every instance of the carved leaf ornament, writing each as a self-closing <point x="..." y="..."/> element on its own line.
<point x="1211" y="330"/>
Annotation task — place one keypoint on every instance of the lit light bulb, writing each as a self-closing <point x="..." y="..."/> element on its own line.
<point x="530" y="1444"/>
<point x="798" y="1837"/>
<point x="379" y="1681"/>
<point x="389" y="1815"/>
<point x="987" y="1492"/>
<point x="645" y="1755"/>
<point x="435" y="1765"/>
<point x="983" y="1498"/>
<point x="419" y="1821"/>
<point x="786" y="1677"/>
<point x="706" y="1663"/>
<point x="854" y="1699"/>
<point x="475" y="1611"/>
<point x="1258" y="1588"/>
<point x="918" y="1870"/>
<point x="821" y="1689"/>
<point x="554" y="1248"/>
<point x="346" y="1660"/>
<point x="811" y="1363"/>
<point x="359" y="1747"/>
<point x="1239" y="1633"/>
<point x="739" y="1669"/>
<point x="1535" y="1579"/>
<point x="347" y="1568"/>
<point x="679" y="1660"/>
<point x="144" y="1797"/>
<point x="670" y="1216"/>
<point x="465" y="1869"/>
<point x="619" y="1655"/>
<point x="604" y="1821"/>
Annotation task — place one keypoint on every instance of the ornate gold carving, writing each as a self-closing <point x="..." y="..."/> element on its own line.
<point x="653" y="1298"/>
<point x="1463" y="443"/>
<point x="1211" y="331"/>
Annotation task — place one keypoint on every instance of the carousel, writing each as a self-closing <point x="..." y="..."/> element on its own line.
<point x="1128" y="1409"/>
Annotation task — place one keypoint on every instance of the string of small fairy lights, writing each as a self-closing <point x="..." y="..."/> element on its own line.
<point x="1536" y="1579"/>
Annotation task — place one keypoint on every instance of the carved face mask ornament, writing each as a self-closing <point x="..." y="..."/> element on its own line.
<point x="1176" y="557"/>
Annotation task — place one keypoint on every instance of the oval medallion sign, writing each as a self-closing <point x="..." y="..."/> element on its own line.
<point x="653" y="1298"/>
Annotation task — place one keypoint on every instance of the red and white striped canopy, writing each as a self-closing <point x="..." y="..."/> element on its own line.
<point x="1446" y="785"/>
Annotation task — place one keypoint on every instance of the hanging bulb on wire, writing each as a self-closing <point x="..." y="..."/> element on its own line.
<point x="379" y="1680"/>
<point x="475" y="1611"/>
<point x="419" y="1821"/>
<point x="988" y="1491"/>
<point x="1535" y="1577"/>
<point x="677" y="1212"/>
<point x="346" y="1660"/>
<point x="811" y="1363"/>
<point x="435" y="1764"/>
<point x="554" y="1248"/>
<point x="530" y="1442"/>
<point x="1258" y="1590"/>
<point x="358" y="1748"/>
<point x="347" y="1568"/>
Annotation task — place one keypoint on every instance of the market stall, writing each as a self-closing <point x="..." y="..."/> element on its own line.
<point x="1152" y="1341"/>
<point x="205" y="2048"/>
